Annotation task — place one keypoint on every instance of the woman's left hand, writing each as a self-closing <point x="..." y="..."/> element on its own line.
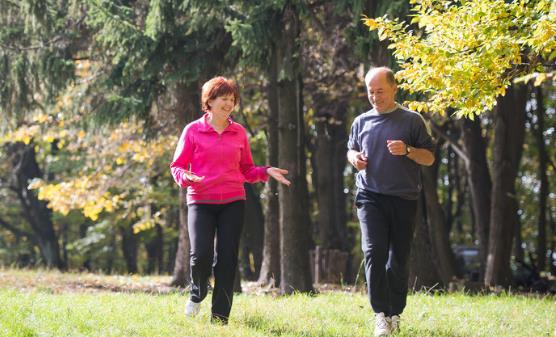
<point x="278" y="174"/>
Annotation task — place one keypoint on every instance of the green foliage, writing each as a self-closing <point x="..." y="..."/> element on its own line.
<point x="36" y="58"/>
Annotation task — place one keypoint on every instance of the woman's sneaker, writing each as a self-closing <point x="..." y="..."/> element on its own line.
<point x="394" y="323"/>
<point x="192" y="309"/>
<point x="382" y="325"/>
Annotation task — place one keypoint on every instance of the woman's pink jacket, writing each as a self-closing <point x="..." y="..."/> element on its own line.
<point x="223" y="159"/>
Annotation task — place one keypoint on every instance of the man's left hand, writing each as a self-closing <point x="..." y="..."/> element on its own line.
<point x="397" y="147"/>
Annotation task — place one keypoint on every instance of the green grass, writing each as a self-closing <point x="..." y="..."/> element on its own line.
<point x="48" y="310"/>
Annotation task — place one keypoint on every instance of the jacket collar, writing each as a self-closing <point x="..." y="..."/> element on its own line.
<point x="206" y="127"/>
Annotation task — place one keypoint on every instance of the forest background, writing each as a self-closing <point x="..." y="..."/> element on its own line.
<point x="94" y="94"/>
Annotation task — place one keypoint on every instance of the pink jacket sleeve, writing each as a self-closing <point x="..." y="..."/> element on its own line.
<point x="182" y="158"/>
<point x="251" y="172"/>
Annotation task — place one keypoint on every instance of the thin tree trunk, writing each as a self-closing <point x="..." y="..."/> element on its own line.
<point x="112" y="253"/>
<point x="180" y="276"/>
<point x="251" y="244"/>
<point x="508" y="145"/>
<point x="519" y="252"/>
<point x="544" y="187"/>
<point x="129" y="249"/>
<point x="155" y="251"/>
<point x="480" y="184"/>
<point x="185" y="99"/>
<point x="460" y="193"/>
<point x="423" y="273"/>
<point x="443" y="256"/>
<point x="448" y="202"/>
<point x="330" y="232"/>
<point x="553" y="244"/>
<point x="295" y="225"/>
<point x="172" y="221"/>
<point x="270" y="267"/>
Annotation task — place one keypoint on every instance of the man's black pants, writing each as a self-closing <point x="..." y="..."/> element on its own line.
<point x="204" y="222"/>
<point x="387" y="225"/>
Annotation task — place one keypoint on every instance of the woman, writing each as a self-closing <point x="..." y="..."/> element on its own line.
<point x="213" y="160"/>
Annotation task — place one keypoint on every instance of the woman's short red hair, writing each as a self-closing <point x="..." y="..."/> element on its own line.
<point x="216" y="87"/>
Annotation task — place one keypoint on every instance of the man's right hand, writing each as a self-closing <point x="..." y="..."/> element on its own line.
<point x="357" y="159"/>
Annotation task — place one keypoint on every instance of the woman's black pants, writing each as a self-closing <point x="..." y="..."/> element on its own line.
<point x="207" y="222"/>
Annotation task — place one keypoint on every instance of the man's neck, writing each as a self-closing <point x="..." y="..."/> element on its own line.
<point x="389" y="110"/>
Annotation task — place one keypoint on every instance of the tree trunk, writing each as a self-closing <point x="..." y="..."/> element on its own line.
<point x="553" y="244"/>
<point x="544" y="188"/>
<point x="251" y="248"/>
<point x="270" y="267"/>
<point x="448" y="200"/>
<point x="113" y="248"/>
<point x="24" y="169"/>
<point x="509" y="133"/>
<point x="155" y="250"/>
<point x="329" y="163"/>
<point x="443" y="256"/>
<point x="185" y="100"/>
<point x="480" y="184"/>
<point x="129" y="249"/>
<point x="180" y="277"/>
<point x="423" y="273"/>
<point x="295" y="225"/>
<point x="519" y="252"/>
<point x="172" y="221"/>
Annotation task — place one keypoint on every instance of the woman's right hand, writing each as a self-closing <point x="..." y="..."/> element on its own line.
<point x="278" y="174"/>
<point x="192" y="177"/>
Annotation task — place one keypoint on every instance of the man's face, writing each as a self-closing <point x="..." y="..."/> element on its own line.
<point x="381" y="93"/>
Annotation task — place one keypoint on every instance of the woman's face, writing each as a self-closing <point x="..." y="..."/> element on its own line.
<point x="222" y="106"/>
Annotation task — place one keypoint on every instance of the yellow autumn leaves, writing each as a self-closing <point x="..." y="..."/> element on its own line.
<point x="110" y="165"/>
<point x="93" y="169"/>
<point x="464" y="56"/>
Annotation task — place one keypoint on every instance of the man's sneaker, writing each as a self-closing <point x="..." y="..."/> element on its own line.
<point x="395" y="323"/>
<point x="382" y="326"/>
<point x="192" y="308"/>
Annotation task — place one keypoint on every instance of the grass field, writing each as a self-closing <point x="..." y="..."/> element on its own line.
<point x="39" y="303"/>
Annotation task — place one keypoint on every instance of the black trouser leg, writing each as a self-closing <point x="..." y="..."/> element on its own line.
<point x="387" y="225"/>
<point x="201" y="223"/>
<point x="397" y="268"/>
<point x="374" y="243"/>
<point x="228" y="233"/>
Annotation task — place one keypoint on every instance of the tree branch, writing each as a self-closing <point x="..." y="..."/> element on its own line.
<point x="13" y="4"/>
<point x="17" y="231"/>
<point x="450" y="140"/>
<point x="316" y="22"/>
<point x="35" y="47"/>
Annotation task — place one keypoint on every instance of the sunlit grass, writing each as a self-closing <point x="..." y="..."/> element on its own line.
<point x="51" y="311"/>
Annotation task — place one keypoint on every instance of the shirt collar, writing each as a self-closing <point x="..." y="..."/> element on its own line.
<point x="206" y="127"/>
<point x="398" y="106"/>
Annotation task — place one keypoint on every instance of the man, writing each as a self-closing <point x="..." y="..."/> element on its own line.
<point x="387" y="145"/>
